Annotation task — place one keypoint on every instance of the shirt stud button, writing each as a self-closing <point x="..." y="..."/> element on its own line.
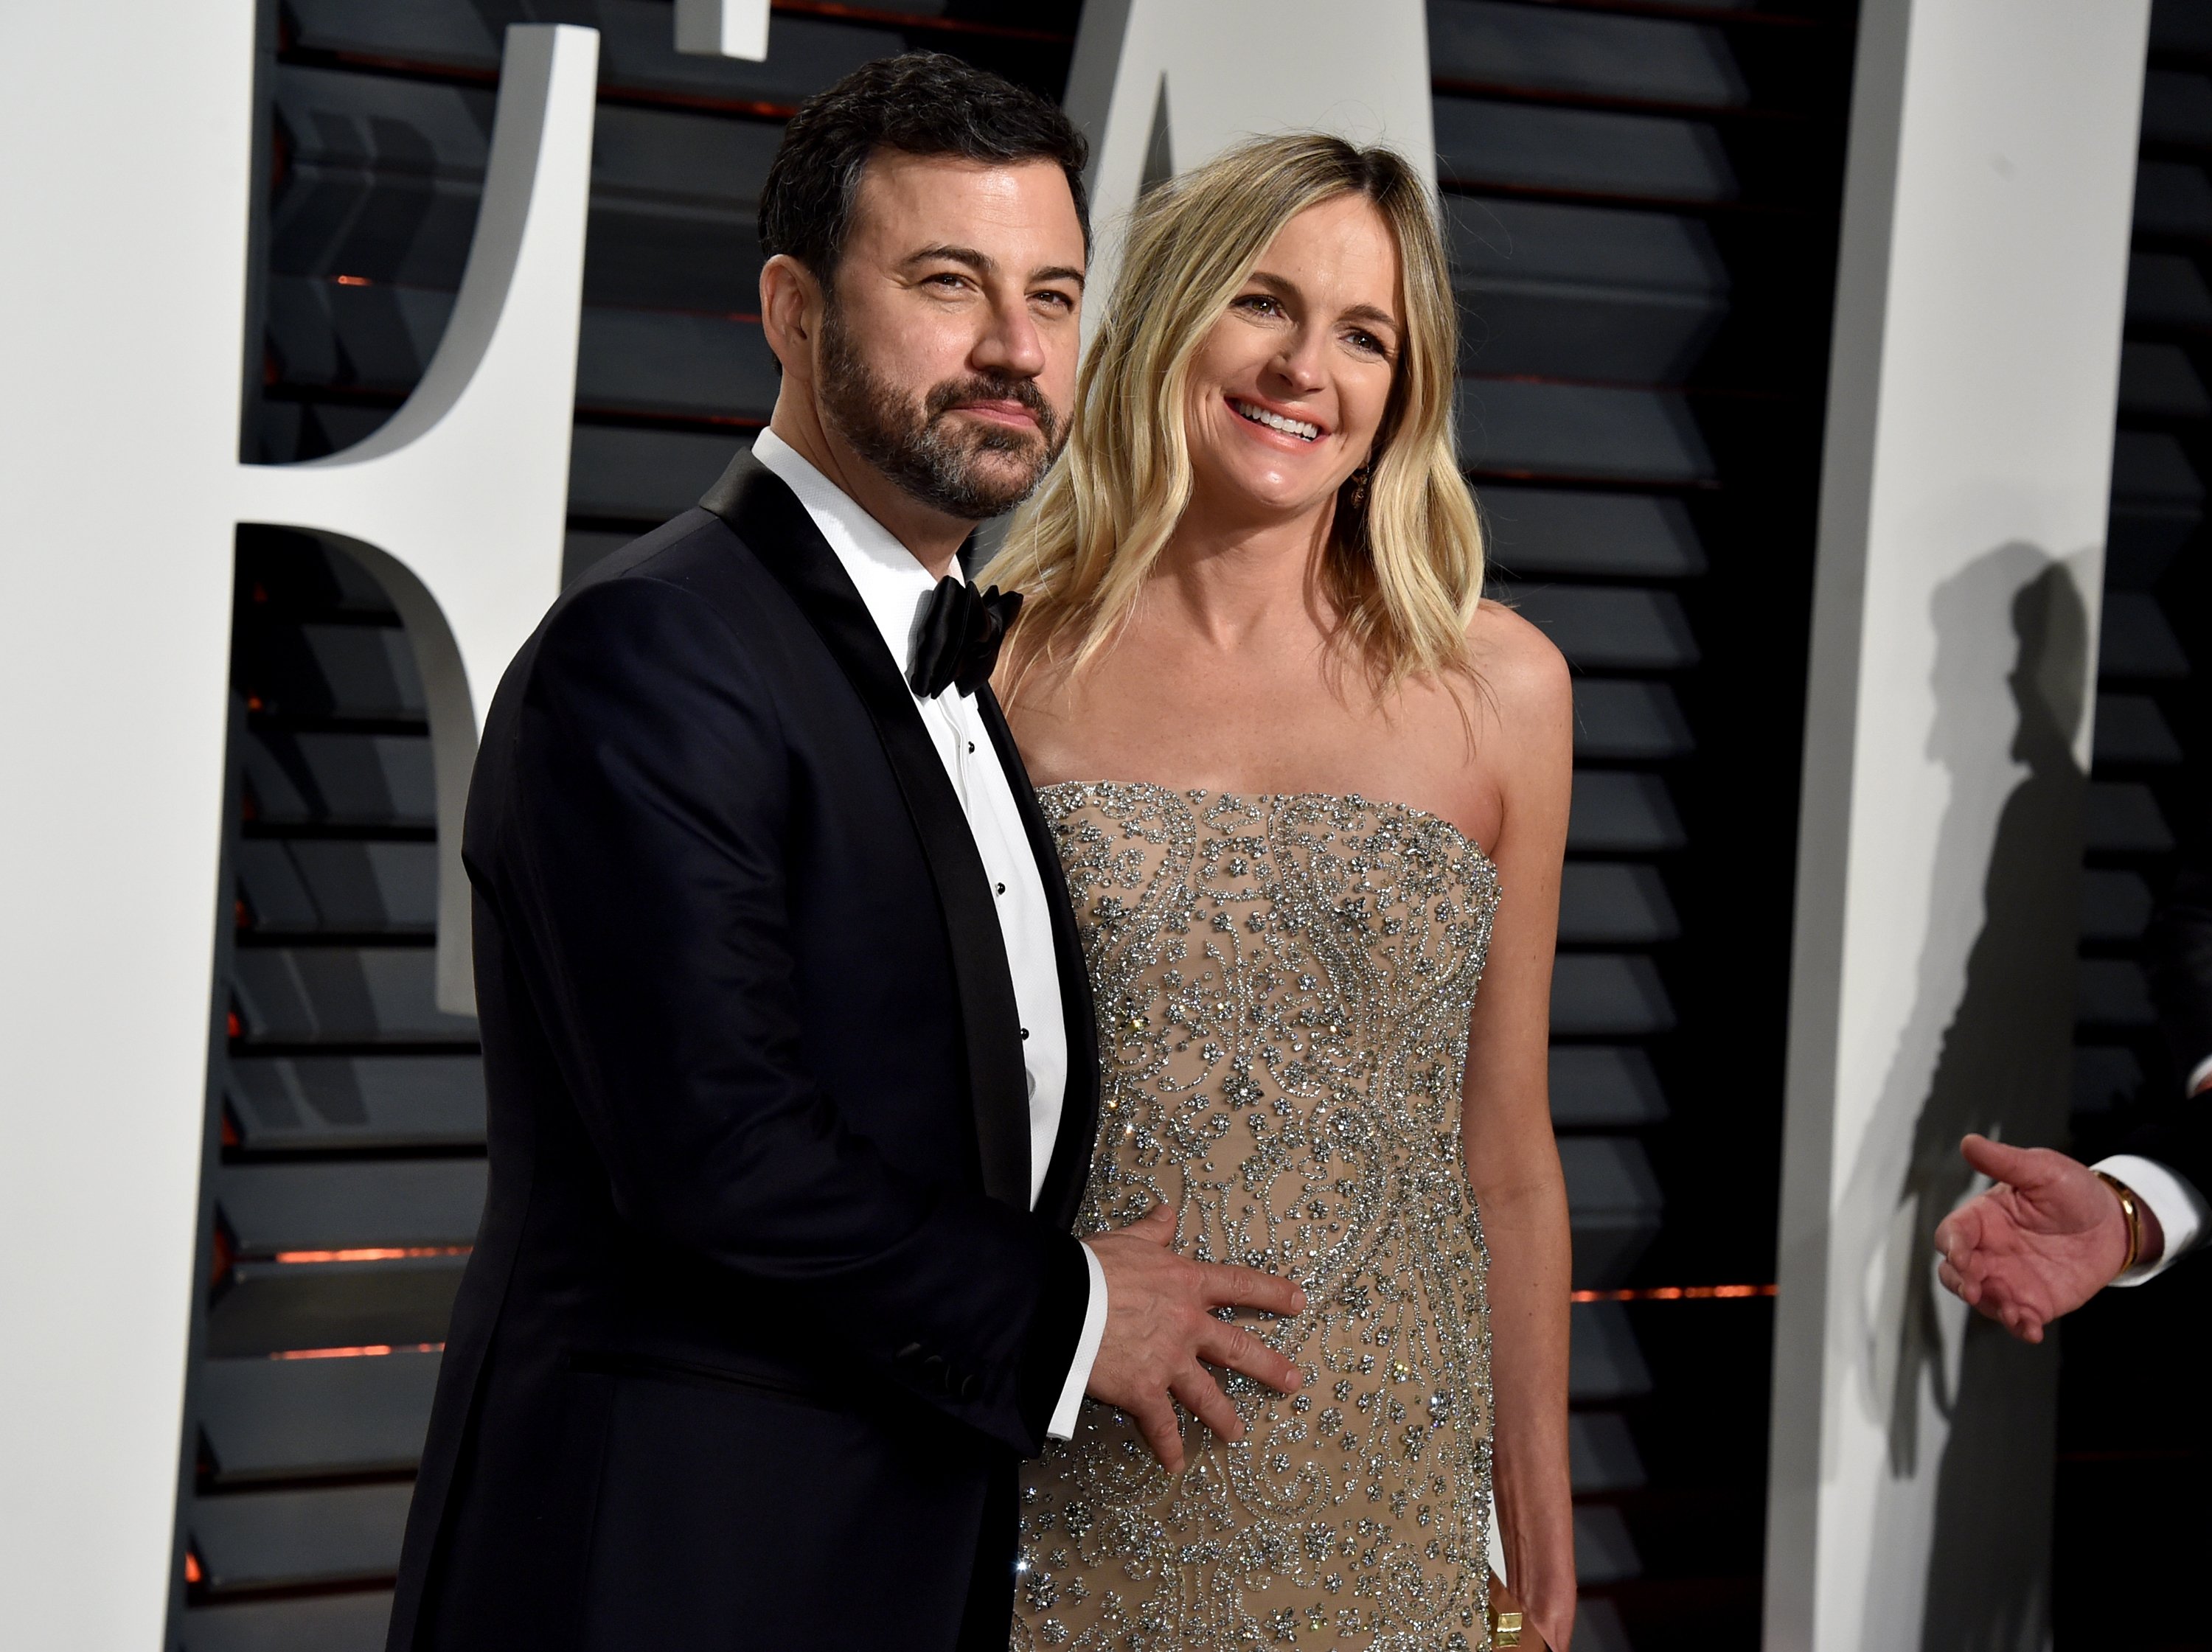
<point x="1002" y="889"/>
<point x="971" y="745"/>
<point x="1025" y="1032"/>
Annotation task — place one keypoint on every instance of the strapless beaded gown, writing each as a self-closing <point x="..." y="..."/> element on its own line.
<point x="1283" y="986"/>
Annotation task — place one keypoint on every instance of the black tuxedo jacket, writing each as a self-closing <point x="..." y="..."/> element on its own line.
<point x="759" y="1319"/>
<point x="2178" y="951"/>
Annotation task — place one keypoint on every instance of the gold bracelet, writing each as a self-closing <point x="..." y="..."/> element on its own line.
<point x="2133" y="1211"/>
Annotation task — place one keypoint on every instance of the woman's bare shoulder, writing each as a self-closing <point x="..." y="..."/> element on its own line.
<point x="1522" y="673"/>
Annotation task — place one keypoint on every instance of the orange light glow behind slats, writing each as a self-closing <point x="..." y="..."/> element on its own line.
<point x="372" y="1253"/>
<point x="369" y="1351"/>
<point x="1675" y="1293"/>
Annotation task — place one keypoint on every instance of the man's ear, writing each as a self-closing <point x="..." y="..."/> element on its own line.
<point x="791" y="313"/>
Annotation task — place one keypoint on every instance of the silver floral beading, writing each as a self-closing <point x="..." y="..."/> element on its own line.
<point x="1284" y="985"/>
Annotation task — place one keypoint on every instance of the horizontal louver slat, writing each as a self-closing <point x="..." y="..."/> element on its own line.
<point x="352" y="1621"/>
<point x="1600" y="995"/>
<point x="379" y="338"/>
<point x="1628" y="720"/>
<point x="2112" y="993"/>
<point x="268" y="1420"/>
<point x="644" y="475"/>
<point x="1580" y="151"/>
<point x="2176" y="108"/>
<point x="2121" y="817"/>
<point x="313" y="1102"/>
<point x="2115" y="905"/>
<point x="1571" y="431"/>
<point x="2132" y="729"/>
<point x="267" y="1308"/>
<point x="2173" y="198"/>
<point x="2105" y="1077"/>
<point x="2160" y="381"/>
<point x="1549" y="531"/>
<point x="337" y="779"/>
<point x="2137" y="640"/>
<point x="260" y="1539"/>
<point x="1556" y="50"/>
<point x="1601" y="1452"/>
<point x="1615" y="1207"/>
<point x="1601" y="627"/>
<point x="1622" y="813"/>
<point x="1603" y="1362"/>
<point x="343" y="994"/>
<point x="1604" y="1551"/>
<point x="1608" y="1085"/>
<point x="356" y="886"/>
<point x="2166" y="288"/>
<point x="1609" y="901"/>
<point x="272" y="1208"/>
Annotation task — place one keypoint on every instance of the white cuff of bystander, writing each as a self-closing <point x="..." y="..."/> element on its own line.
<point x="2177" y="1204"/>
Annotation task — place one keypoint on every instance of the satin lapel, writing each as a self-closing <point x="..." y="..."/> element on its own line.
<point x="770" y="518"/>
<point x="1061" y="1196"/>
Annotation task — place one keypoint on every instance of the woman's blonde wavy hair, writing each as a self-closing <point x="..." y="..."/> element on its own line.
<point x="1403" y="569"/>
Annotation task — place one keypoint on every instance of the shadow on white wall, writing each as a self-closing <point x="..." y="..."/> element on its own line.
<point x="1985" y="1049"/>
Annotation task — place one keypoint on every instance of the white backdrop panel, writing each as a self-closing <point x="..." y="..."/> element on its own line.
<point x="1968" y="461"/>
<point x="125" y="182"/>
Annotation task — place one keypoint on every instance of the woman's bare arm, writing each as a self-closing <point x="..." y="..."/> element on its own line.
<point x="1526" y="740"/>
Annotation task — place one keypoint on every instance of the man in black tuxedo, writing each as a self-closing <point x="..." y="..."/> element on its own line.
<point x="2055" y="1231"/>
<point x="789" y="1045"/>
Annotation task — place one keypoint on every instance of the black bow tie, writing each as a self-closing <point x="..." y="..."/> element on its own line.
<point x="957" y="642"/>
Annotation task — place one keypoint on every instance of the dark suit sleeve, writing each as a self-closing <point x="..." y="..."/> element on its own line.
<point x="2178" y="953"/>
<point x="645" y="866"/>
<point x="2181" y="1141"/>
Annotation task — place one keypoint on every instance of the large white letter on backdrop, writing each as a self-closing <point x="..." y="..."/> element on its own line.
<point x="124" y="186"/>
<point x="1975" y="373"/>
<point x="1161" y="85"/>
<point x="723" y="28"/>
<point x="458" y="502"/>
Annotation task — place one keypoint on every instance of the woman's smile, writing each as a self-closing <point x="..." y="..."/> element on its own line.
<point x="1253" y="411"/>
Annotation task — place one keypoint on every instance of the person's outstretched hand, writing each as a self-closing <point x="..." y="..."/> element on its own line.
<point x="2046" y="1239"/>
<point x="1160" y="1326"/>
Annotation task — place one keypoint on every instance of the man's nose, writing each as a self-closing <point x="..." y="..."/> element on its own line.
<point x="1012" y="344"/>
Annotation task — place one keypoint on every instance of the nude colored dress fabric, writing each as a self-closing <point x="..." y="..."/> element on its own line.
<point x="1284" y="985"/>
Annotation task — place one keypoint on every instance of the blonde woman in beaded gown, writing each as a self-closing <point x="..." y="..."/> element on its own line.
<point x="1311" y="795"/>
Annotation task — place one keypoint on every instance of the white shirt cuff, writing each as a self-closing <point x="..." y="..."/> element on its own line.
<point x="2179" y="1207"/>
<point x="2197" y="1075"/>
<point x="1062" y="1426"/>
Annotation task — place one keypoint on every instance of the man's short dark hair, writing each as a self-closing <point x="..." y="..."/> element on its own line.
<point x="922" y="103"/>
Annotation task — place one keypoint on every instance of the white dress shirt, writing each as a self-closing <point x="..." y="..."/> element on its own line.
<point x="2173" y="1200"/>
<point x="893" y="586"/>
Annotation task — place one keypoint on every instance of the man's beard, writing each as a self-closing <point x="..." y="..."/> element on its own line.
<point x="936" y="462"/>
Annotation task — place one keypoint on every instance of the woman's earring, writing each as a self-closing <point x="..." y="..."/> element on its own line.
<point x="1359" y="486"/>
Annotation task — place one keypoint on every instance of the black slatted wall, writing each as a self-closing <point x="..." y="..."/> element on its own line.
<point x="2132" y="1429"/>
<point x="1643" y="200"/>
